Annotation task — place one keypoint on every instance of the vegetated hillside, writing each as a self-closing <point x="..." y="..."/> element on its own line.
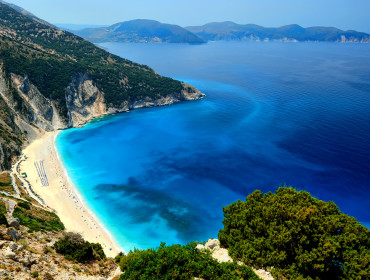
<point x="140" y="31"/>
<point x="231" y="31"/>
<point x="52" y="79"/>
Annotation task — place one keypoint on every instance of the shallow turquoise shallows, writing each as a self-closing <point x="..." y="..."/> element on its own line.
<point x="275" y="113"/>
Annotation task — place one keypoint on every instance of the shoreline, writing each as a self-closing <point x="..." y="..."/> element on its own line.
<point x="62" y="195"/>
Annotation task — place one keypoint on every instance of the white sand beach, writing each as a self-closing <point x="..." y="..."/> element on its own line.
<point x="62" y="196"/>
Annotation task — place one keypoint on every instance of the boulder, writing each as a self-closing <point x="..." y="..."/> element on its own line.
<point x="13" y="234"/>
<point x="13" y="222"/>
<point x="13" y="246"/>
<point x="29" y="261"/>
<point x="3" y="243"/>
<point x="10" y="255"/>
<point x="222" y="255"/>
<point x="213" y="244"/>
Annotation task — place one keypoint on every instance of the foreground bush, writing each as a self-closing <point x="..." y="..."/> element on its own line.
<point x="301" y="236"/>
<point x="179" y="262"/>
<point x="73" y="247"/>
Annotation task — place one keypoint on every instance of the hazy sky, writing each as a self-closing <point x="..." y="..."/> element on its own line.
<point x="344" y="14"/>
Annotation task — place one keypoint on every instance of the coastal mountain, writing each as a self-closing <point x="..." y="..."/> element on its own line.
<point x="140" y="31"/>
<point x="52" y="79"/>
<point x="232" y="31"/>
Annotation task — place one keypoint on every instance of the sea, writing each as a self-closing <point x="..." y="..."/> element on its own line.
<point x="275" y="114"/>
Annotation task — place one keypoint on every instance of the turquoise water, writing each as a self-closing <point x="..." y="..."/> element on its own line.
<point x="275" y="114"/>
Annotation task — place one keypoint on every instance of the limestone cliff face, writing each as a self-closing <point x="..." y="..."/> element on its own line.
<point x="10" y="133"/>
<point x="84" y="101"/>
<point x="40" y="111"/>
<point x="32" y="112"/>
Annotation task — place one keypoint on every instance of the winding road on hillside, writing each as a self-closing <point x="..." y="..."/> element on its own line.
<point x="12" y="204"/>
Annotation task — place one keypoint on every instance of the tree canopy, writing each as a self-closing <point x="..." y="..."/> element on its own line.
<point x="180" y="262"/>
<point x="300" y="236"/>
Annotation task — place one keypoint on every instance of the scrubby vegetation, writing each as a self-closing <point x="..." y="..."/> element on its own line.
<point x="24" y="205"/>
<point x="3" y="220"/>
<point x="75" y="248"/>
<point x="37" y="219"/>
<point x="5" y="182"/>
<point x="179" y="262"/>
<point x="300" y="236"/>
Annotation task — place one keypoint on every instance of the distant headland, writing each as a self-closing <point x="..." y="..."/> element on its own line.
<point x="151" y="31"/>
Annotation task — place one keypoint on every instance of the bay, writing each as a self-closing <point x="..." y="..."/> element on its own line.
<point x="275" y="114"/>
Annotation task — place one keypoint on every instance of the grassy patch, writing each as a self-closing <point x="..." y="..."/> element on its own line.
<point x="37" y="219"/>
<point x="6" y="183"/>
<point x="2" y="207"/>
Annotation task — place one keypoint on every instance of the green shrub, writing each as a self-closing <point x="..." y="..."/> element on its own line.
<point x="24" y="205"/>
<point x="73" y="247"/>
<point x="3" y="220"/>
<point x="35" y="274"/>
<point x="301" y="236"/>
<point x="37" y="219"/>
<point x="179" y="262"/>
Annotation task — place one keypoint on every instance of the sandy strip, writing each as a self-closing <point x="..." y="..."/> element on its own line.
<point x="62" y="196"/>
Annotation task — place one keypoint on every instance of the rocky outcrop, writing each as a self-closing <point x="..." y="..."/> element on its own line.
<point x="187" y="94"/>
<point x="13" y="222"/>
<point x="84" y="101"/>
<point x="33" y="255"/>
<point x="40" y="111"/>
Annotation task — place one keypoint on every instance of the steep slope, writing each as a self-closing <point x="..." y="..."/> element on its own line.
<point x="231" y="31"/>
<point x="140" y="31"/>
<point x="51" y="79"/>
<point x="26" y="13"/>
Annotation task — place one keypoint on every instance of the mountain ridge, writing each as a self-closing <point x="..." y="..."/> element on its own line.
<point x="140" y="31"/>
<point x="229" y="30"/>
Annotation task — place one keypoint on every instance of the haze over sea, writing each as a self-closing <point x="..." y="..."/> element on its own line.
<point x="275" y="113"/>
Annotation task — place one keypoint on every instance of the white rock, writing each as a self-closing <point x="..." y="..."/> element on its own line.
<point x="213" y="244"/>
<point x="9" y="254"/>
<point x="13" y="246"/>
<point x="200" y="247"/>
<point x="13" y="222"/>
<point x="222" y="255"/>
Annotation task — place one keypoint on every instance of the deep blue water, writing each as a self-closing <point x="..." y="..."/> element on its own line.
<point x="275" y="113"/>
